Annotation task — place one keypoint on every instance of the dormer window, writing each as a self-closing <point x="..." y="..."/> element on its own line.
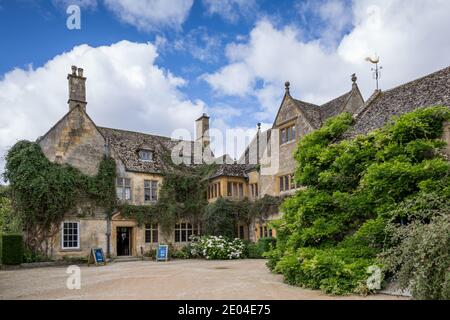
<point x="146" y="155"/>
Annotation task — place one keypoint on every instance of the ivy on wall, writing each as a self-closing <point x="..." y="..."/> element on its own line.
<point x="42" y="191"/>
<point x="182" y="196"/>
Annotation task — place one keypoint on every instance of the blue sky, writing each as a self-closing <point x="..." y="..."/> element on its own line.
<point x="155" y="65"/>
<point x="40" y="33"/>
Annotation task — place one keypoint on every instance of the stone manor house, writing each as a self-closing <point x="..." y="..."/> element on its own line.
<point x="76" y="140"/>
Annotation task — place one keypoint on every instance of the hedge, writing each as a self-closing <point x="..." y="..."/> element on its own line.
<point x="12" y="249"/>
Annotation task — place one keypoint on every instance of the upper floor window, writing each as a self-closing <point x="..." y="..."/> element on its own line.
<point x="235" y="189"/>
<point x="123" y="188"/>
<point x="287" y="134"/>
<point x="146" y="155"/>
<point x="253" y="190"/>
<point x="150" y="190"/>
<point x="287" y="182"/>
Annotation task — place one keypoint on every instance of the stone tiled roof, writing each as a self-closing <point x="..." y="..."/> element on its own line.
<point x="127" y="145"/>
<point x="334" y="107"/>
<point x="316" y="115"/>
<point x="230" y="170"/>
<point x="433" y="89"/>
<point x="310" y="111"/>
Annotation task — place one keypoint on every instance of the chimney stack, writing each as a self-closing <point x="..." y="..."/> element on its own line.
<point x="201" y="131"/>
<point x="77" y="88"/>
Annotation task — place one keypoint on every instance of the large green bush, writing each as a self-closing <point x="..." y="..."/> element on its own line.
<point x="12" y="249"/>
<point x="219" y="218"/>
<point x="331" y="232"/>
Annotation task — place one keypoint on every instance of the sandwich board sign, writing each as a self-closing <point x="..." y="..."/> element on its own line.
<point x="97" y="257"/>
<point x="162" y="253"/>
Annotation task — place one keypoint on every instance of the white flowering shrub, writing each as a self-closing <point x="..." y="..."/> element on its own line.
<point x="217" y="248"/>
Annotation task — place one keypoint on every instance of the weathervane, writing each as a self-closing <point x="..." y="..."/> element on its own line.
<point x="377" y="70"/>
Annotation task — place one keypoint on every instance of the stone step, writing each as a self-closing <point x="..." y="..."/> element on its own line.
<point x="126" y="259"/>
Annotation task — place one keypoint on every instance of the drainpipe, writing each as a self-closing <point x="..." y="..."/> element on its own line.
<point x="108" y="235"/>
<point x="107" y="153"/>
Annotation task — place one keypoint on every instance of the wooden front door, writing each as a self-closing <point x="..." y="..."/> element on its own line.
<point x="123" y="241"/>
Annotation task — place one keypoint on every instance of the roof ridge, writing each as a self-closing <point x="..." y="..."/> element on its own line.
<point x="417" y="79"/>
<point x="143" y="133"/>
<point x="332" y="100"/>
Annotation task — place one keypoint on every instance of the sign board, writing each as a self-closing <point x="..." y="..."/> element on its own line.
<point x="97" y="256"/>
<point x="162" y="253"/>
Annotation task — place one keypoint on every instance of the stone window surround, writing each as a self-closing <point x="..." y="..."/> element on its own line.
<point x="235" y="190"/>
<point x="78" y="247"/>
<point x="151" y="228"/>
<point x="286" y="126"/>
<point x="195" y="229"/>
<point x="291" y="185"/>
<point x="123" y="185"/>
<point x="150" y="154"/>
<point x="152" y="187"/>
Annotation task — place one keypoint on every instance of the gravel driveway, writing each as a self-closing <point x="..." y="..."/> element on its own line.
<point x="180" y="279"/>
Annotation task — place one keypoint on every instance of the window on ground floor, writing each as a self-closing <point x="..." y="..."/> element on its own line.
<point x="70" y="235"/>
<point x="151" y="233"/>
<point x="183" y="231"/>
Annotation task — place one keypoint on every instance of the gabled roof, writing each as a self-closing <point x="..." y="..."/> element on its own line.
<point x="433" y="89"/>
<point x="230" y="170"/>
<point x="127" y="144"/>
<point x="78" y="108"/>
<point x="316" y="115"/>
<point x="310" y="111"/>
<point x="334" y="107"/>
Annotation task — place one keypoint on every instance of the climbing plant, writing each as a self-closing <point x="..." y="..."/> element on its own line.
<point x="42" y="191"/>
<point x="182" y="196"/>
<point x="351" y="208"/>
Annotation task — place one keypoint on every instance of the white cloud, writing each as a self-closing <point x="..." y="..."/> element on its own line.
<point x="149" y="15"/>
<point x="125" y="89"/>
<point x="409" y="36"/>
<point x="230" y="10"/>
<point x="234" y="79"/>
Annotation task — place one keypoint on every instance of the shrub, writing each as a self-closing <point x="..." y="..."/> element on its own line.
<point x="218" y="218"/>
<point x="420" y="256"/>
<point x="30" y="256"/>
<point x="12" y="249"/>
<point x="334" y="270"/>
<point x="183" y="253"/>
<point x="217" y="248"/>
<point x="258" y="249"/>
<point x="362" y="194"/>
<point x="151" y="253"/>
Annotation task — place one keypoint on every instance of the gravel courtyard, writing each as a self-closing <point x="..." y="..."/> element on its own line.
<point x="181" y="279"/>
